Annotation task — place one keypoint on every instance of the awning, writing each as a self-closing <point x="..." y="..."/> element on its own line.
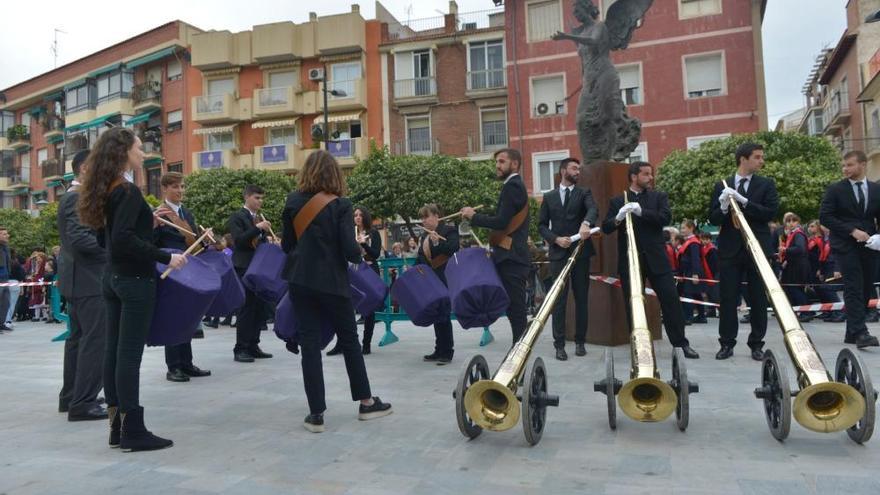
<point x="74" y="84"/>
<point x="73" y="128"/>
<point x="104" y="70"/>
<point x="99" y="121"/>
<point x="21" y="191"/>
<point x="141" y="118"/>
<point x="37" y="110"/>
<point x="214" y="130"/>
<point x="69" y="176"/>
<point x="55" y="139"/>
<point x="152" y="161"/>
<point x="339" y="117"/>
<point x="262" y="124"/>
<point x="54" y="183"/>
<point x="151" y="57"/>
<point x="58" y="95"/>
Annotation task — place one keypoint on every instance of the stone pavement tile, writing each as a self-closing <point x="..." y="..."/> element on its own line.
<point x="836" y="484"/>
<point x="773" y="487"/>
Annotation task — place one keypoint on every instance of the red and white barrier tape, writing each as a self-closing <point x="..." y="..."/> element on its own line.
<point x="25" y="284"/>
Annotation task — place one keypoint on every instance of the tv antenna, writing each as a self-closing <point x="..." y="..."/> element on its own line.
<point x="54" y="47"/>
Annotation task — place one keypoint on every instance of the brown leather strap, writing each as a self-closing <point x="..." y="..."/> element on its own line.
<point x="434" y="261"/>
<point x="501" y="238"/>
<point x="308" y="213"/>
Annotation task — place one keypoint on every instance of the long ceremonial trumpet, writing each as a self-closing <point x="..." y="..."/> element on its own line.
<point x="821" y="404"/>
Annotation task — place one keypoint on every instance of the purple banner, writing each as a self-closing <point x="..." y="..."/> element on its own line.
<point x="275" y="154"/>
<point x="211" y="159"/>
<point x="342" y="148"/>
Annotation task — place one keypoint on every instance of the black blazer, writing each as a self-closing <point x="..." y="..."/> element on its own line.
<point x="447" y="247"/>
<point x="512" y="199"/>
<point x="373" y="249"/>
<point x="82" y="260"/>
<point x="244" y="230"/>
<point x="759" y="211"/>
<point x="320" y="259"/>
<point x="554" y="220"/>
<point x="168" y="237"/>
<point x="840" y="213"/>
<point x="648" y="229"/>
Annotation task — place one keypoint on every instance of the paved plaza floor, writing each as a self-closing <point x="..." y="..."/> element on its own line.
<point x="239" y="431"/>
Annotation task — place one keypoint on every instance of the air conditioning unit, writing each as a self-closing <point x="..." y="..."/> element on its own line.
<point x="316" y="74"/>
<point x="542" y="109"/>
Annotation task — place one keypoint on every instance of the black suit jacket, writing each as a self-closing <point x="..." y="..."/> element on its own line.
<point x="840" y="213"/>
<point x="319" y="260"/>
<point x="759" y="211"/>
<point x="168" y="237"/>
<point x="243" y="229"/>
<point x="447" y="247"/>
<point x="554" y="220"/>
<point x="82" y="259"/>
<point x="512" y="199"/>
<point x="648" y="229"/>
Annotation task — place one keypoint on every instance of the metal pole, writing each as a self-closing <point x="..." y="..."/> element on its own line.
<point x="325" y="108"/>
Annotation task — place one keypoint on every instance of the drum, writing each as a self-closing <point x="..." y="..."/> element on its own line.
<point x="287" y="326"/>
<point x="182" y="299"/>
<point x="478" y="297"/>
<point x="423" y="296"/>
<point x="364" y="279"/>
<point x="263" y="276"/>
<point x="231" y="296"/>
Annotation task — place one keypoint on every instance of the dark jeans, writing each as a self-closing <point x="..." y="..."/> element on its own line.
<point x="130" y="303"/>
<point x="84" y="352"/>
<point x="579" y="283"/>
<point x="5" y="302"/>
<point x="311" y="308"/>
<point x="443" y="342"/>
<point x="251" y="318"/>
<point x="670" y="307"/>
<point x="733" y="272"/>
<point x="179" y="356"/>
<point x="513" y="278"/>
<point x="369" y="326"/>
<point x="858" y="268"/>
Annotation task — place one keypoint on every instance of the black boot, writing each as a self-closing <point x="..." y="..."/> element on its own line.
<point x="135" y="436"/>
<point x="113" y="415"/>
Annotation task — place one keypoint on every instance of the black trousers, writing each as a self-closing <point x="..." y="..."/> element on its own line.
<point x="692" y="291"/>
<point x="733" y="272"/>
<point x="178" y="356"/>
<point x="251" y="318"/>
<point x="513" y="278"/>
<point x="311" y="308"/>
<point x="84" y="352"/>
<point x="579" y="282"/>
<point x="130" y="303"/>
<point x="858" y="269"/>
<point x="5" y="302"/>
<point x="670" y="307"/>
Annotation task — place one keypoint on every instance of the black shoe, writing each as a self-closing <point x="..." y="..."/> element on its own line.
<point x="580" y="350"/>
<point x="314" y="423"/>
<point x="5" y="328"/>
<point x="176" y="375"/>
<point x="689" y="352"/>
<point x="63" y="407"/>
<point x="431" y="357"/>
<point x="291" y="346"/>
<point x="835" y="317"/>
<point x="244" y="357"/>
<point x="688" y="323"/>
<point x="200" y="334"/>
<point x="561" y="355"/>
<point x="335" y="351"/>
<point x="259" y="354"/>
<point x="757" y="354"/>
<point x="115" y="422"/>
<point x="365" y="349"/>
<point x="93" y="413"/>
<point x="805" y="317"/>
<point x="376" y="410"/>
<point x="724" y="353"/>
<point x="865" y="340"/>
<point x="194" y="371"/>
<point x="701" y="320"/>
<point x="135" y="437"/>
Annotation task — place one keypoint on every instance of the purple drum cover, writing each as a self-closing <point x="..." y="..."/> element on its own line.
<point x="287" y="326"/>
<point x="421" y="293"/>
<point x="478" y="297"/>
<point x="231" y="296"/>
<point x="364" y="279"/>
<point x="181" y="301"/>
<point x="263" y="275"/>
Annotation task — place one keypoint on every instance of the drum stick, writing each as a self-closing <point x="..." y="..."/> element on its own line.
<point x="210" y="236"/>
<point x="270" y="228"/>
<point x="189" y="250"/>
<point x="447" y="217"/>
<point x="435" y="233"/>
<point x="172" y="224"/>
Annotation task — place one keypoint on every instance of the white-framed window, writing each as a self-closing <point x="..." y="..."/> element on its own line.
<point x="413" y="74"/>
<point x="343" y="77"/>
<point x="26" y="166"/>
<point x="543" y="19"/>
<point x="816" y="123"/>
<point x="640" y="154"/>
<point x="174" y="70"/>
<point x="217" y="87"/>
<point x="42" y="155"/>
<point x="175" y="119"/>
<point x="631" y="84"/>
<point x="26" y="117"/>
<point x="347" y="129"/>
<point x="282" y="135"/>
<point x="548" y="95"/>
<point x="486" y="64"/>
<point x="283" y="79"/>
<point x="698" y="8"/>
<point x="545" y="166"/>
<point x="694" y="142"/>
<point x="219" y="141"/>
<point x="418" y="135"/>
<point x="114" y="85"/>
<point x="493" y="129"/>
<point x="704" y="75"/>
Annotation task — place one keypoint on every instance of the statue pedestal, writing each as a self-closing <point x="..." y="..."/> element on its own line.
<point x="607" y="314"/>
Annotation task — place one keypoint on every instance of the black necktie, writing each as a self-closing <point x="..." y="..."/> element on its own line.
<point x="565" y="197"/>
<point x="861" y="197"/>
<point x="742" y="186"/>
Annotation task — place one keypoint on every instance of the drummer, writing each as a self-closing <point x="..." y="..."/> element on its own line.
<point x="436" y="245"/>
<point x="178" y="358"/>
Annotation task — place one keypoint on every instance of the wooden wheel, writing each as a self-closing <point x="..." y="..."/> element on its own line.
<point x="851" y="371"/>
<point x="535" y="401"/>
<point x="775" y="391"/>
<point x="682" y="389"/>
<point x="610" y="391"/>
<point x="477" y="369"/>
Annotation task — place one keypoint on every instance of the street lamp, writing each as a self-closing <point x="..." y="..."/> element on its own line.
<point x="334" y="92"/>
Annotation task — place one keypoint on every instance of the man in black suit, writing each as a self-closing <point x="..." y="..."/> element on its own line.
<point x="851" y="211"/>
<point x="435" y="252"/>
<point x="565" y="212"/>
<point x="178" y="358"/>
<point x="248" y="230"/>
<point x="80" y="271"/>
<point x="759" y="202"/>
<point x="509" y="237"/>
<point x="650" y="213"/>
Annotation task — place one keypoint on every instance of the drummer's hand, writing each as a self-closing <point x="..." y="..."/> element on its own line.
<point x="162" y="211"/>
<point x="177" y="261"/>
<point x="363" y="238"/>
<point x="435" y="237"/>
<point x="563" y="242"/>
<point x="275" y="240"/>
<point x="468" y="212"/>
<point x="584" y="231"/>
<point x="264" y="225"/>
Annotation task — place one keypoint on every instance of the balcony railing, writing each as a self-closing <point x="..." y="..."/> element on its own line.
<point x="417" y="146"/>
<point x="839" y="104"/>
<point x="149" y="90"/>
<point x="449" y="23"/>
<point x="486" y="79"/>
<point x="415" y="88"/>
<point x="53" y="123"/>
<point x="273" y="97"/>
<point x="153" y="146"/>
<point x="52" y="167"/>
<point x="210" y="103"/>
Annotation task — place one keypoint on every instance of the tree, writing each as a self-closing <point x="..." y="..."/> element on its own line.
<point x="802" y="166"/>
<point x="47" y="225"/>
<point x="24" y="234"/>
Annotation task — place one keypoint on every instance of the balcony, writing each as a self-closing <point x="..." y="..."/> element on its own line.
<point x="18" y="137"/>
<point x="152" y="140"/>
<point x="146" y="96"/>
<point x="486" y="83"/>
<point x="217" y="49"/>
<point x="215" y="109"/>
<point x="355" y="96"/>
<point x="276" y="42"/>
<point x="340" y="33"/>
<point x="415" y="91"/>
<point x="53" y="169"/>
<point x="348" y="151"/>
<point x="207" y="160"/>
<point x="837" y="113"/>
<point x="421" y="146"/>
<point x="278" y="157"/>
<point x="278" y="102"/>
<point x="486" y="144"/>
<point x="53" y="127"/>
<point x="16" y="178"/>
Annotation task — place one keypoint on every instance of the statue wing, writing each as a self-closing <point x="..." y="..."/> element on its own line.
<point x="623" y="18"/>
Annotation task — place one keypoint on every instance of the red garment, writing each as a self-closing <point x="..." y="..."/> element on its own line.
<point x="826" y="250"/>
<point x="690" y="242"/>
<point x="673" y="256"/>
<point x="704" y="256"/>
<point x="36" y="270"/>
<point x="790" y="238"/>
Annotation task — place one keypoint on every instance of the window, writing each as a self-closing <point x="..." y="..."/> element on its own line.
<point x="219" y="141"/>
<point x="42" y="155"/>
<point x="704" y="75"/>
<point x="175" y="70"/>
<point x="543" y="19"/>
<point x="175" y="119"/>
<point x="847" y="143"/>
<point x="175" y="167"/>
<point x="631" y="84"/>
<point x="154" y="174"/>
<point x="695" y="141"/>
<point x="816" y="124"/>
<point x="493" y="129"/>
<point x="545" y="167"/>
<point x="422" y="73"/>
<point x="412" y="74"/>
<point x="347" y="129"/>
<point x="282" y="135"/>
<point x="7" y="120"/>
<point x="640" y="154"/>
<point x="220" y="87"/>
<point x="548" y="96"/>
<point x="343" y="78"/>
<point x="698" y="8"/>
<point x="26" y="118"/>
<point x="486" y="60"/>
<point x="25" y="167"/>
<point x="282" y="79"/>
<point x="81" y="97"/>
<point x="114" y="85"/>
<point x="418" y="135"/>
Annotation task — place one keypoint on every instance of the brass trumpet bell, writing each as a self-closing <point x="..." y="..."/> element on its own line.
<point x="647" y="399"/>
<point x="828" y="406"/>
<point x="492" y="406"/>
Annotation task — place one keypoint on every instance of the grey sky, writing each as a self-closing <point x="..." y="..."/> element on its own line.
<point x="790" y="43"/>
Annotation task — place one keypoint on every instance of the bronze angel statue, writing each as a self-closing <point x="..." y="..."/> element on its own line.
<point x="605" y="131"/>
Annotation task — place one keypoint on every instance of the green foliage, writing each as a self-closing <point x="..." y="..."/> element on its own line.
<point x="153" y="201"/>
<point x="23" y="234"/>
<point x="802" y="166"/>
<point x="214" y="195"/>
<point x="47" y="225"/>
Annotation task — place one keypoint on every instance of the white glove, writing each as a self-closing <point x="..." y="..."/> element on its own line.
<point x="636" y="209"/>
<point x="739" y="198"/>
<point x="621" y="215"/>
<point x="873" y="242"/>
<point x="724" y="199"/>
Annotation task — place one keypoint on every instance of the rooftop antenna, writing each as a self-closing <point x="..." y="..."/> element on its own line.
<point x="54" y="47"/>
<point x="409" y="10"/>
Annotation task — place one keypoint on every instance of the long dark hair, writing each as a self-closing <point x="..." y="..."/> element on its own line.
<point x="105" y="164"/>
<point x="366" y="218"/>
